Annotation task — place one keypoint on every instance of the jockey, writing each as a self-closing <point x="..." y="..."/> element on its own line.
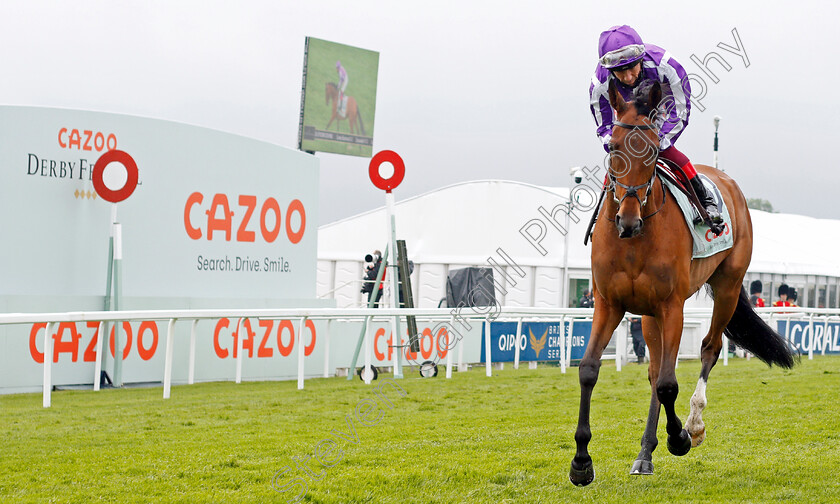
<point x="628" y="61"/>
<point x="342" y="84"/>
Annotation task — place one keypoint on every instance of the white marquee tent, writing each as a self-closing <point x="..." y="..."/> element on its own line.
<point x="465" y="224"/>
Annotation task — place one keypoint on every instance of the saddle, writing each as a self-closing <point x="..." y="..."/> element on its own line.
<point x="677" y="179"/>
<point x="673" y="173"/>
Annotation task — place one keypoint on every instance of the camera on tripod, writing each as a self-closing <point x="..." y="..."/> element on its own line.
<point x="370" y="271"/>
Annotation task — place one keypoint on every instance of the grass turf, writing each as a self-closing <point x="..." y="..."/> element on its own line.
<point x="772" y="435"/>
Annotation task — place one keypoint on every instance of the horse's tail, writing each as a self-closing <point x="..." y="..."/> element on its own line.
<point x="359" y="115"/>
<point x="749" y="331"/>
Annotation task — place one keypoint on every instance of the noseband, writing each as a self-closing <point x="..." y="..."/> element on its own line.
<point x="634" y="190"/>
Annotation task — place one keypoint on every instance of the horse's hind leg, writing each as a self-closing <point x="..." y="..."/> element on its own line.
<point x="670" y="319"/>
<point x="726" y="299"/>
<point x="653" y="336"/>
<point x="604" y="322"/>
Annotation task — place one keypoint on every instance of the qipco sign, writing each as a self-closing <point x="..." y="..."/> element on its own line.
<point x="105" y="192"/>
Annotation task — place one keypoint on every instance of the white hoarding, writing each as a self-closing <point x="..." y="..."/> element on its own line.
<point x="216" y="220"/>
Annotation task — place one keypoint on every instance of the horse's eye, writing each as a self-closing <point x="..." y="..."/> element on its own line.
<point x="612" y="147"/>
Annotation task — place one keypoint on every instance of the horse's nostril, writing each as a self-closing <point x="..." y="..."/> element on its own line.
<point x="628" y="228"/>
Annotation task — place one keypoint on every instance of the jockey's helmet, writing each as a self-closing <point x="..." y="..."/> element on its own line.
<point x="619" y="46"/>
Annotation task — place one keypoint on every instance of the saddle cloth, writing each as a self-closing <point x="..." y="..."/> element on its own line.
<point x="705" y="242"/>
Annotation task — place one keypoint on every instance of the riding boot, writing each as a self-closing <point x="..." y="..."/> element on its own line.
<point x="709" y="203"/>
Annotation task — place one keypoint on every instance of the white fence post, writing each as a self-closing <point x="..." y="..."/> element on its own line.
<point x="725" y="350"/>
<point x="191" y="370"/>
<point x="563" y="345"/>
<point x="488" y="360"/>
<point x="48" y="357"/>
<point x="167" y="365"/>
<point x="97" y="368"/>
<point x="461" y="365"/>
<point x="301" y="350"/>
<point x="366" y="375"/>
<point x="449" y="348"/>
<point x="240" y="349"/>
<point x="516" y="350"/>
<point x="327" y="350"/>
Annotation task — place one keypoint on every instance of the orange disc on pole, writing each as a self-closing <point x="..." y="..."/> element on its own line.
<point x="386" y="156"/>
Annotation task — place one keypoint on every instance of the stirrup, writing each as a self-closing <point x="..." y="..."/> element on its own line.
<point x="715" y="223"/>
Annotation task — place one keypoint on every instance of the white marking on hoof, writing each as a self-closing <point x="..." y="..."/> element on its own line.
<point x="694" y="423"/>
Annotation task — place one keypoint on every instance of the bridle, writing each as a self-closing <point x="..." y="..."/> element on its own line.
<point x="647" y="186"/>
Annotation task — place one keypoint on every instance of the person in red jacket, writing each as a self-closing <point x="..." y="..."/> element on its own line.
<point x="783" y="296"/>
<point x="755" y="294"/>
<point x="792" y="296"/>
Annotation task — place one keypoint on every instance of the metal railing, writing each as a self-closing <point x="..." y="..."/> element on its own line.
<point x="518" y="315"/>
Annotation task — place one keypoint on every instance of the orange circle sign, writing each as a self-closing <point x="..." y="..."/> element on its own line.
<point x="386" y="156"/>
<point x="104" y="160"/>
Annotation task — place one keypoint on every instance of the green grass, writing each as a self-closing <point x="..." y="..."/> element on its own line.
<point x="772" y="435"/>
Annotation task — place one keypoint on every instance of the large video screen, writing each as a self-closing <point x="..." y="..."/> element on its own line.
<point x="338" y="101"/>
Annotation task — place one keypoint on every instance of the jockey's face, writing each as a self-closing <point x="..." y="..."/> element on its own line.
<point x="629" y="76"/>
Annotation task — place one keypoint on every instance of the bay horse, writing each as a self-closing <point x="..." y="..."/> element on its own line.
<point x="643" y="265"/>
<point x="353" y="116"/>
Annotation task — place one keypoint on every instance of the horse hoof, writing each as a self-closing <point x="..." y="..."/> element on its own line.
<point x="697" y="438"/>
<point x="583" y="476"/>
<point x="680" y="446"/>
<point x="642" y="467"/>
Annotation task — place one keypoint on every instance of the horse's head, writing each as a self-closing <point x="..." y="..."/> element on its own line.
<point x="634" y="147"/>
<point x="330" y="92"/>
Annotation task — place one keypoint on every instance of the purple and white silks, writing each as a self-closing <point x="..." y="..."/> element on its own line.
<point x="657" y="64"/>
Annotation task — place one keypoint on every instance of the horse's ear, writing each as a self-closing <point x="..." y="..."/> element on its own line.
<point x="655" y="95"/>
<point x="616" y="100"/>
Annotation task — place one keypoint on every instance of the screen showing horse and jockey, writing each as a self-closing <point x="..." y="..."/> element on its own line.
<point x="339" y="98"/>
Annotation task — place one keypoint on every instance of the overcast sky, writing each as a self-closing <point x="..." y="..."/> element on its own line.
<point x="467" y="90"/>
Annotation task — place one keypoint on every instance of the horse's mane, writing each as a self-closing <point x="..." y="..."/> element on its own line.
<point x="641" y="98"/>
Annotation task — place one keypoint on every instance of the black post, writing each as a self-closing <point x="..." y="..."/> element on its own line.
<point x="405" y="288"/>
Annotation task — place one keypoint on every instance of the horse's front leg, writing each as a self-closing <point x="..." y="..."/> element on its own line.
<point x="670" y="318"/>
<point x="653" y="336"/>
<point x="604" y="322"/>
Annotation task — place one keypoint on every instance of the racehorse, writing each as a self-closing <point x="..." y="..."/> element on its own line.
<point x="643" y="265"/>
<point x="352" y="113"/>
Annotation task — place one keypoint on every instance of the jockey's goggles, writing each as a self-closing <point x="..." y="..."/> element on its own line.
<point x="620" y="57"/>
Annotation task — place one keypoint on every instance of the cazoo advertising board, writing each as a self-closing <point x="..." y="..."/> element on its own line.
<point x="216" y="221"/>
